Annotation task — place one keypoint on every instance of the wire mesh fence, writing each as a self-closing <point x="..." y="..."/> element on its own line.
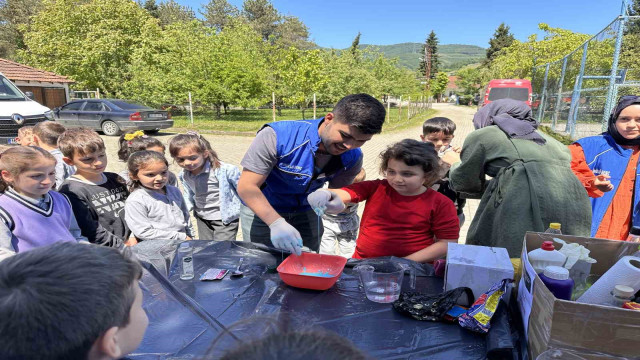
<point x="576" y="94"/>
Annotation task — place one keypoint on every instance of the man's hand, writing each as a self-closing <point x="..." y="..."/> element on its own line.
<point x="602" y="183"/>
<point x="323" y="200"/>
<point x="286" y="237"/>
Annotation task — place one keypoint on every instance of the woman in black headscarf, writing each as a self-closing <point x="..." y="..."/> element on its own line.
<point x="532" y="184"/>
<point x="606" y="165"/>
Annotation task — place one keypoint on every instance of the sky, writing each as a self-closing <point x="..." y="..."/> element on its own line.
<point x="335" y="23"/>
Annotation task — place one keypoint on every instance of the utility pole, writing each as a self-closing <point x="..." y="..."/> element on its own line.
<point x="427" y="67"/>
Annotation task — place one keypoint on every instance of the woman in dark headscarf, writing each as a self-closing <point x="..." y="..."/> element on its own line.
<point x="532" y="184"/>
<point x="607" y="167"/>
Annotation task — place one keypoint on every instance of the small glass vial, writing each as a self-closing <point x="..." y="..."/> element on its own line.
<point x="554" y="228"/>
<point x="621" y="294"/>
<point x="185" y="252"/>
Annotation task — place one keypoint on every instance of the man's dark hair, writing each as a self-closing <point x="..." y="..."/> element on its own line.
<point x="438" y="124"/>
<point x="362" y="111"/>
<point x="57" y="300"/>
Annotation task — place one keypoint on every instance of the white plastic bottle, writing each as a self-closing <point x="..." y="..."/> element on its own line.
<point x="545" y="256"/>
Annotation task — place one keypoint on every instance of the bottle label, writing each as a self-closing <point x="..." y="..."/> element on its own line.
<point x="187" y="265"/>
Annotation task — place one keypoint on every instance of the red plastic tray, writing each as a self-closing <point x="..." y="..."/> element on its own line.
<point x="292" y="266"/>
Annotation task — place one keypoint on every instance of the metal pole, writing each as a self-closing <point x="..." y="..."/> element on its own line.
<point x="400" y="110"/>
<point x="575" y="97"/>
<point x="544" y="94"/>
<point x="388" y="108"/>
<point x="559" y="95"/>
<point x="314" y="105"/>
<point x="190" y="108"/>
<point x="611" y="92"/>
<point x="273" y="105"/>
<point x="409" y="109"/>
<point x="97" y="93"/>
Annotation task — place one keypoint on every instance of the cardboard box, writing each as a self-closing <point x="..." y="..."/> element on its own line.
<point x="476" y="267"/>
<point x="590" y="331"/>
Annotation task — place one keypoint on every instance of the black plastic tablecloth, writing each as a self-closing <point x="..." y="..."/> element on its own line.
<point x="187" y="317"/>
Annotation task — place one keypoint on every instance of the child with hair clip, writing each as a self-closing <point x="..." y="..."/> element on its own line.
<point x="155" y="210"/>
<point x="31" y="213"/>
<point x="209" y="186"/>
<point x="402" y="216"/>
<point x="137" y="141"/>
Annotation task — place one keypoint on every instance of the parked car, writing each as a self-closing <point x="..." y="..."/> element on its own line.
<point x="112" y="116"/>
<point x="17" y="109"/>
<point x="517" y="89"/>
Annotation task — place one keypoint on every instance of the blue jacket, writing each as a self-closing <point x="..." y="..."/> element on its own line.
<point x="605" y="156"/>
<point x="294" y="176"/>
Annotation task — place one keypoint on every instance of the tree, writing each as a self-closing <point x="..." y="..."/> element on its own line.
<point x="439" y="84"/>
<point x="471" y="79"/>
<point x="355" y="44"/>
<point x="430" y="44"/>
<point x="170" y="12"/>
<point x="290" y="31"/>
<point x="633" y="25"/>
<point x="91" y="41"/>
<point x="151" y="7"/>
<point x="262" y="16"/>
<point x="219" y="13"/>
<point x="502" y="38"/>
<point x="15" y="18"/>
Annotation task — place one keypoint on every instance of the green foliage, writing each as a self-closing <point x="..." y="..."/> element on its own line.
<point x="565" y="139"/>
<point x="90" y="41"/>
<point x="219" y="13"/>
<point x="15" y="17"/>
<point x="170" y="12"/>
<point x="471" y="79"/>
<point x="518" y="59"/>
<point x="502" y="38"/>
<point x="439" y="83"/>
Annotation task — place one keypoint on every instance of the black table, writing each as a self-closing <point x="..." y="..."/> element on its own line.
<point x="187" y="316"/>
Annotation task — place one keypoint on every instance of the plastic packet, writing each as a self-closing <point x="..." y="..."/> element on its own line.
<point x="479" y="315"/>
<point x="213" y="274"/>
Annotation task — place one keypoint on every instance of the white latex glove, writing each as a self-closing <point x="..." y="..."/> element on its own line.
<point x="286" y="237"/>
<point x="323" y="200"/>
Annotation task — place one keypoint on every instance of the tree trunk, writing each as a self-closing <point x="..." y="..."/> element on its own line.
<point x="226" y="108"/>
<point x="279" y="108"/>
<point x="303" y="110"/>
<point x="218" y="115"/>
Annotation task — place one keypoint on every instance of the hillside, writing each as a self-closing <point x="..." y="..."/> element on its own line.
<point x="452" y="56"/>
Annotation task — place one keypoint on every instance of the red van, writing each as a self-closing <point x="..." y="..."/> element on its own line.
<point x="517" y="89"/>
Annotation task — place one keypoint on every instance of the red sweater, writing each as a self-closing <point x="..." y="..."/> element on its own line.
<point x="398" y="225"/>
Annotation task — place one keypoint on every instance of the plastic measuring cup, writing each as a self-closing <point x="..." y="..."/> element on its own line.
<point x="382" y="282"/>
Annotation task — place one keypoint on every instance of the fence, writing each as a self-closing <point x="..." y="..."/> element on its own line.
<point x="576" y="94"/>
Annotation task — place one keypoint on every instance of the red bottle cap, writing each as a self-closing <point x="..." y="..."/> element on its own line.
<point x="548" y="245"/>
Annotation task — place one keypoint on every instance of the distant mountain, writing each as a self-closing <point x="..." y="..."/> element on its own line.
<point x="452" y="56"/>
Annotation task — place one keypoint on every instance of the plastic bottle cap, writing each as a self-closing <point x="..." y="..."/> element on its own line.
<point x="635" y="231"/>
<point x="555" y="226"/>
<point x="556" y="273"/>
<point x="184" y="245"/>
<point x="623" y="291"/>
<point x="548" y="245"/>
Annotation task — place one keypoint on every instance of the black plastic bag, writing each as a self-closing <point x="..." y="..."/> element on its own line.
<point x="430" y="307"/>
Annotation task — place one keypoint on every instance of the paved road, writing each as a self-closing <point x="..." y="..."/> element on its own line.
<point x="232" y="148"/>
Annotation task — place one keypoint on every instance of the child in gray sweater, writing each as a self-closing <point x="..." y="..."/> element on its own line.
<point x="155" y="210"/>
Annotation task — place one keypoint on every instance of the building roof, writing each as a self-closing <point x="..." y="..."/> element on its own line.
<point x="15" y="71"/>
<point x="452" y="83"/>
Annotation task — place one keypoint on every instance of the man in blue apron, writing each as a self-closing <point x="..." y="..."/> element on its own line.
<point x="290" y="159"/>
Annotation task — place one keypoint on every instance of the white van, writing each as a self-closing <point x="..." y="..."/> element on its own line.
<point x="17" y="110"/>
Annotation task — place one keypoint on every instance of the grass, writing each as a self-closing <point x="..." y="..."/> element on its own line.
<point x="248" y="122"/>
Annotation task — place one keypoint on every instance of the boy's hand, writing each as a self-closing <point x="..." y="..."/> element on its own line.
<point x="450" y="157"/>
<point x="456" y="148"/>
<point x="602" y="183"/>
<point x="131" y="241"/>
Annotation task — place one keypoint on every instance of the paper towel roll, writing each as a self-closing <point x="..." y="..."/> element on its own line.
<point x="625" y="272"/>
